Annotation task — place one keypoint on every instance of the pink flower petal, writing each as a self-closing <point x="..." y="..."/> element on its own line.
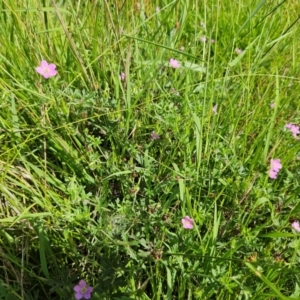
<point x="44" y="64"/>
<point x="78" y="296"/>
<point x="82" y="283"/>
<point x="77" y="288"/>
<point x="87" y="295"/>
<point x="52" y="66"/>
<point x="174" y="63"/>
<point x="46" y="75"/>
<point x="40" y="70"/>
<point x="52" y="73"/>
<point x="296" y="226"/>
<point x="272" y="174"/>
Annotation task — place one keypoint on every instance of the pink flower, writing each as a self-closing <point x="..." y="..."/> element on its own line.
<point x="174" y="63"/>
<point x="293" y="129"/>
<point x="187" y="222"/>
<point x="122" y="76"/>
<point x="82" y="290"/>
<point x="215" y="108"/>
<point x="203" y="39"/>
<point x="272" y="105"/>
<point x="238" y="51"/>
<point x="296" y="225"/>
<point x="275" y="166"/>
<point x="154" y="135"/>
<point x="46" y="70"/>
<point x="212" y="41"/>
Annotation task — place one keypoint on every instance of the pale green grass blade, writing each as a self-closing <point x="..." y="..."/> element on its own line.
<point x="24" y="216"/>
<point x="272" y="122"/>
<point x="253" y="13"/>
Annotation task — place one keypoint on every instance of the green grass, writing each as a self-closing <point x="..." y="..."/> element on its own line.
<point x="86" y="193"/>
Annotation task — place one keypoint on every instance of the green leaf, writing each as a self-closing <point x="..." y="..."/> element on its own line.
<point x="277" y="235"/>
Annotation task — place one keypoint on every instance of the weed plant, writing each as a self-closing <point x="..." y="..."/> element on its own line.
<point x="160" y="159"/>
